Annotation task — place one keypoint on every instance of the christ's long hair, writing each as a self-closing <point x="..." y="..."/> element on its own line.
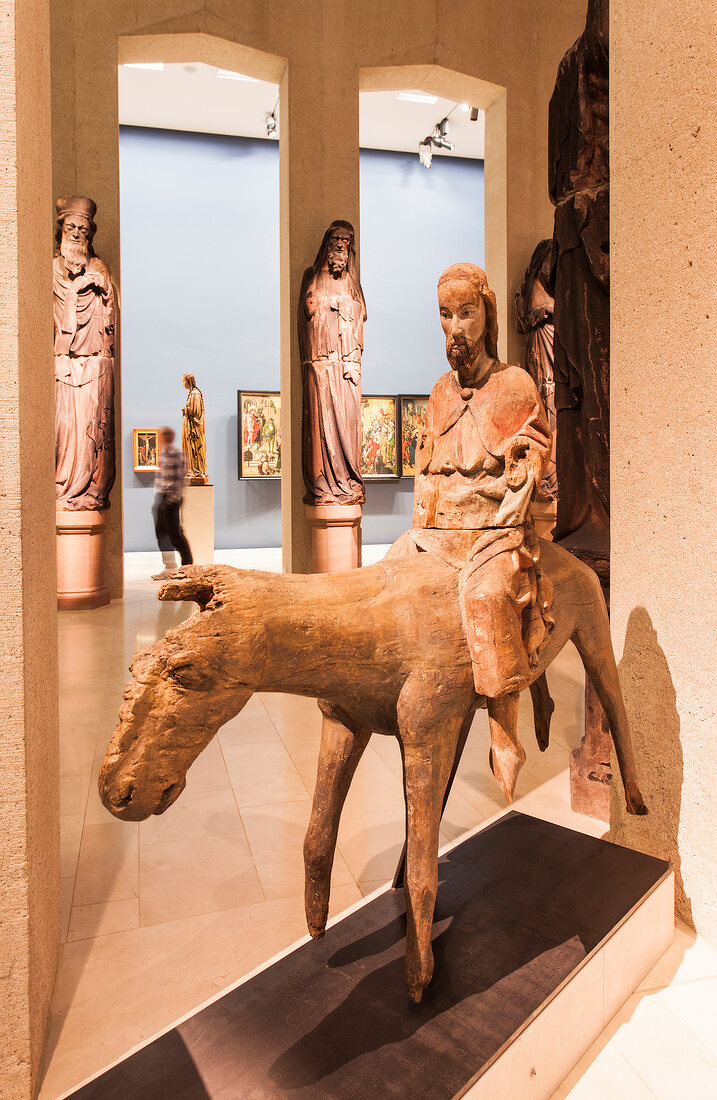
<point x="323" y="253"/>
<point x="477" y="278"/>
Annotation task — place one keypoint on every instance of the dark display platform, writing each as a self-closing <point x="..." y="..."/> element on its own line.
<point x="520" y="907"/>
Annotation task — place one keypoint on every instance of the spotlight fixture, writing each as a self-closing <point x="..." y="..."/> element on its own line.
<point x="271" y="130"/>
<point x="439" y="137"/>
<point x="474" y="114"/>
<point x="465" y="108"/>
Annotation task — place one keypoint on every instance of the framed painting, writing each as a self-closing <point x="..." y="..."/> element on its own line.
<point x="259" y="434"/>
<point x="145" y="450"/>
<point x="413" y="423"/>
<point x="379" y="454"/>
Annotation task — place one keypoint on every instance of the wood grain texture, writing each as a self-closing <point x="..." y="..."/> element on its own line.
<point x="383" y="650"/>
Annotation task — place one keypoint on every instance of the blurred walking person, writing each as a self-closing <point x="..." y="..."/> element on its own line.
<point x="169" y="486"/>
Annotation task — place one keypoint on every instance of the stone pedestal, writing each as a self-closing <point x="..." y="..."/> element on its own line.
<point x="198" y="522"/>
<point x="515" y="1004"/>
<point x="80" y="542"/>
<point x="335" y="537"/>
<point x="544" y="513"/>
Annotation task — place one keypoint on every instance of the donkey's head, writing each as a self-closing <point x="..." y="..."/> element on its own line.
<point x="182" y="690"/>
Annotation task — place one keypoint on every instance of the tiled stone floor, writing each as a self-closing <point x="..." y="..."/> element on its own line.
<point x="162" y="915"/>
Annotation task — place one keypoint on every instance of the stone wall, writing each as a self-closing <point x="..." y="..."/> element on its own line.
<point x="29" y="769"/>
<point x="664" y="349"/>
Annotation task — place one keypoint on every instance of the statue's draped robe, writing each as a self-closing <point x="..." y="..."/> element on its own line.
<point x="579" y="188"/>
<point x="84" y="315"/>
<point x="194" y="438"/>
<point x="331" y="316"/>
<point x="534" y="316"/>
<point x="467" y="515"/>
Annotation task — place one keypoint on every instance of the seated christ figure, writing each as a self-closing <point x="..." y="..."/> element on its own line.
<point x="478" y="464"/>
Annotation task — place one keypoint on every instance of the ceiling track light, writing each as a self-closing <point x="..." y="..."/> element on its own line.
<point x="439" y="139"/>
<point x="271" y="130"/>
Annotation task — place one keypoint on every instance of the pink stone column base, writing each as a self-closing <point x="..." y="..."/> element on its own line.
<point x="335" y="537"/>
<point x="80" y="539"/>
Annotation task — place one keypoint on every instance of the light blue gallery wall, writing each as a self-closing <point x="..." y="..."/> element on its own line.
<point x="200" y="293"/>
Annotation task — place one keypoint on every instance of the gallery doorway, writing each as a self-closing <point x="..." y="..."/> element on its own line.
<point x="199" y="204"/>
<point x="422" y="209"/>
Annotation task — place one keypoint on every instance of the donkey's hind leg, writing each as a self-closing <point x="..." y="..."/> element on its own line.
<point x="594" y="644"/>
<point x="430" y="722"/>
<point x="341" y="749"/>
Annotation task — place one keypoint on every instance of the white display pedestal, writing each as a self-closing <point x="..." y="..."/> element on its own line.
<point x="198" y="522"/>
<point x="540" y="936"/>
<point x="545" y="1051"/>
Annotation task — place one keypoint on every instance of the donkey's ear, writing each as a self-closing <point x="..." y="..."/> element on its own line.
<point x="191" y="582"/>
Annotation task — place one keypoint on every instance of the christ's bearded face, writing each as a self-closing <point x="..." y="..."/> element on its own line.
<point x="338" y="254"/>
<point x="463" y="321"/>
<point x="75" y="242"/>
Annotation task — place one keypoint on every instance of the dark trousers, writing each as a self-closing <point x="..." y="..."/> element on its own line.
<point x="168" y="529"/>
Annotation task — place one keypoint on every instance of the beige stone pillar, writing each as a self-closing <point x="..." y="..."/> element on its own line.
<point x="319" y="181"/>
<point x="29" y="804"/>
<point x="663" y="353"/>
<point x="85" y="161"/>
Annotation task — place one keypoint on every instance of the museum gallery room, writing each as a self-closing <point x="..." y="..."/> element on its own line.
<point x="358" y="709"/>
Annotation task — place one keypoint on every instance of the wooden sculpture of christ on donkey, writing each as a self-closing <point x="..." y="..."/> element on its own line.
<point x="466" y="610"/>
<point x="478" y="463"/>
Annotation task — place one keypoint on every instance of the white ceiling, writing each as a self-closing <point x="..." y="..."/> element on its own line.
<point x="193" y="97"/>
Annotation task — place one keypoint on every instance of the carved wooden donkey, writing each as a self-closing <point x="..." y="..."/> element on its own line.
<point x="383" y="650"/>
<point x="468" y="610"/>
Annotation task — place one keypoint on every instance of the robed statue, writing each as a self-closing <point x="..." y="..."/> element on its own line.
<point x="84" y="320"/>
<point x="534" y="317"/>
<point x="579" y="183"/>
<point x="479" y="462"/>
<point x="332" y="311"/>
<point x="194" y="436"/>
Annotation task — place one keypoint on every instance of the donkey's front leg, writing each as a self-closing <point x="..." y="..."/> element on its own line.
<point x="430" y="721"/>
<point x="341" y="749"/>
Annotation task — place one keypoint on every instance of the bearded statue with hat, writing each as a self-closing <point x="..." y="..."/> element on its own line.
<point x="84" y="314"/>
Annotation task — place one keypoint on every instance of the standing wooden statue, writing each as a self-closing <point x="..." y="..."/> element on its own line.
<point x="84" y="313"/>
<point x="534" y="316"/>
<point x="579" y="182"/>
<point x="194" y="437"/>
<point x="332" y="311"/>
